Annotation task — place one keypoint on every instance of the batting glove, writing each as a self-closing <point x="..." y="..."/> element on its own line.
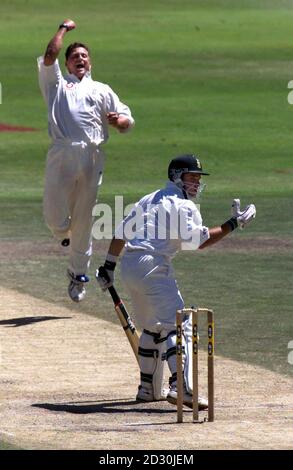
<point x="245" y="216"/>
<point x="105" y="274"/>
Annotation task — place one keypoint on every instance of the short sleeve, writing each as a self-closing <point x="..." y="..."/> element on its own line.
<point x="49" y="76"/>
<point x="192" y="233"/>
<point x="113" y="104"/>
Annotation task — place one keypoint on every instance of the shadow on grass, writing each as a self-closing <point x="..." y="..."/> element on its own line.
<point x="112" y="407"/>
<point x="23" y="321"/>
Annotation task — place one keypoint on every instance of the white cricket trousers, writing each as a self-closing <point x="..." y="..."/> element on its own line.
<point x="155" y="298"/>
<point x="73" y="174"/>
<point x="153" y="289"/>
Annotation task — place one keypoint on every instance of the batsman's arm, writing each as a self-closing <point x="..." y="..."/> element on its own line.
<point x="239" y="219"/>
<point x="56" y="43"/>
<point x="116" y="246"/>
<point x="217" y="233"/>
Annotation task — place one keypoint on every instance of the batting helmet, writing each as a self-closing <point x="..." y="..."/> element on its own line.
<point x="184" y="164"/>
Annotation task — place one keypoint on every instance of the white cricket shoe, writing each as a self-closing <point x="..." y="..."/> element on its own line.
<point x="187" y="399"/>
<point x="146" y="394"/>
<point x="76" y="289"/>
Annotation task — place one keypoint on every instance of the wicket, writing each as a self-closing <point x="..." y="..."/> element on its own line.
<point x="179" y="349"/>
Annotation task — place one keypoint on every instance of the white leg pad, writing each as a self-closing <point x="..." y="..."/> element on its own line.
<point x="151" y="360"/>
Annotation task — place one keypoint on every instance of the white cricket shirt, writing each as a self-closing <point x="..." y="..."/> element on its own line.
<point x="163" y="223"/>
<point x="77" y="110"/>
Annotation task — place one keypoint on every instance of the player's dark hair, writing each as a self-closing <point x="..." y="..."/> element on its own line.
<point x="73" y="46"/>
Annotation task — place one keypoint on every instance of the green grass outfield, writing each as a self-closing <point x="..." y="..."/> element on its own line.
<point x="202" y="76"/>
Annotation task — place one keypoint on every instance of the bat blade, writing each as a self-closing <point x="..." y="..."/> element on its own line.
<point x="124" y="317"/>
<point x="128" y="326"/>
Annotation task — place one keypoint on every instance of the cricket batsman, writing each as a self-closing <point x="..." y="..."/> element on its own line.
<point x="161" y="224"/>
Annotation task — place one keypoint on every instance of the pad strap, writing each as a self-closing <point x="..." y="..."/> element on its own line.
<point x="148" y="378"/>
<point x="173" y="378"/>
<point x="148" y="352"/>
<point x="156" y="336"/>
<point x="171" y="352"/>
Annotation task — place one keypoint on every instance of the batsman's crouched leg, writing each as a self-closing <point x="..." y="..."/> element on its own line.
<point x="151" y="352"/>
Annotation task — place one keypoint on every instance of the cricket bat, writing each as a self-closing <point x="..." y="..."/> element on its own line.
<point x="124" y="317"/>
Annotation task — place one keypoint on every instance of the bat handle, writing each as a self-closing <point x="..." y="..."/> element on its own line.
<point x="114" y="295"/>
<point x="111" y="289"/>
